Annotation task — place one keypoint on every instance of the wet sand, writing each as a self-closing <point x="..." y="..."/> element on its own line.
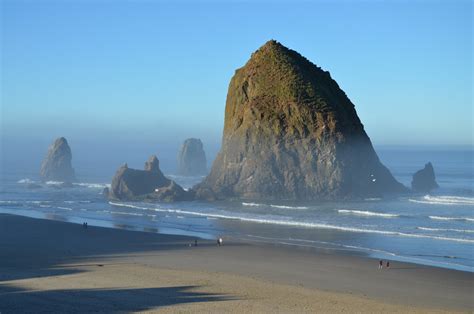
<point x="51" y="266"/>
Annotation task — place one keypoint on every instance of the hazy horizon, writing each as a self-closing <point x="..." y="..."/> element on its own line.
<point x="158" y="72"/>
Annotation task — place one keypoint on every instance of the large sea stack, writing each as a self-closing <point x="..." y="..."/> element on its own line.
<point x="57" y="164"/>
<point x="424" y="180"/>
<point x="291" y="133"/>
<point x="192" y="158"/>
<point x="149" y="184"/>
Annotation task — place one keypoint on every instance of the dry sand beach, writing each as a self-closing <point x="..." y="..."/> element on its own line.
<point x="51" y="266"/>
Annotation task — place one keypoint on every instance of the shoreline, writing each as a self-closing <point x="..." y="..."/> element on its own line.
<point x="37" y="250"/>
<point x="257" y="240"/>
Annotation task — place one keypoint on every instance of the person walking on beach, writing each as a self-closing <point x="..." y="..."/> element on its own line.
<point x="219" y="241"/>
<point x="388" y="264"/>
<point x="380" y="264"/>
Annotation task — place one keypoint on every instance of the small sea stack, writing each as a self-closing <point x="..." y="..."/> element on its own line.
<point x="57" y="164"/>
<point x="192" y="158"/>
<point x="424" y="180"/>
<point x="148" y="184"/>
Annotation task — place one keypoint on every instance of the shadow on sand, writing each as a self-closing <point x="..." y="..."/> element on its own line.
<point x="13" y="299"/>
<point x="32" y="248"/>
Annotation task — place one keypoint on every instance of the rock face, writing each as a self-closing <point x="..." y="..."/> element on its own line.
<point x="291" y="133"/>
<point x="57" y="164"/>
<point x="152" y="164"/>
<point x="192" y="158"/>
<point x="148" y="184"/>
<point x="424" y="180"/>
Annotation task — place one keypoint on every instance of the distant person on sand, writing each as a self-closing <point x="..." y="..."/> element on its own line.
<point x="380" y="264"/>
<point x="219" y="241"/>
<point x="196" y="242"/>
<point x="388" y="264"/>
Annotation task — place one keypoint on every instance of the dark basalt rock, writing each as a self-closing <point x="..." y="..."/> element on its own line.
<point x="148" y="184"/>
<point x="291" y="133"/>
<point x="57" y="164"/>
<point x="172" y="192"/>
<point x="152" y="164"/>
<point x="192" y="158"/>
<point x="424" y="180"/>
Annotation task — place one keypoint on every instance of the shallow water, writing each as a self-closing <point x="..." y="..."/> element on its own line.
<point x="435" y="229"/>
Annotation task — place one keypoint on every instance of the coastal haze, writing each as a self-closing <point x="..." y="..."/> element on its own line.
<point x="299" y="148"/>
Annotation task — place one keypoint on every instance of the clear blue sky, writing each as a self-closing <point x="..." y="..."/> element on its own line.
<point x="139" y="70"/>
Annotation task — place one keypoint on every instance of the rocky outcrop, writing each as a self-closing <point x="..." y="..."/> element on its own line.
<point x="424" y="180"/>
<point x="172" y="192"/>
<point x="192" y="158"/>
<point x="148" y="184"/>
<point x="291" y="133"/>
<point x="57" y="164"/>
<point x="152" y="164"/>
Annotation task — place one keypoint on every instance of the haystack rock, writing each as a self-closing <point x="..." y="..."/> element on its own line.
<point x="149" y="184"/>
<point x="57" y="164"/>
<point x="192" y="158"/>
<point x="291" y="133"/>
<point x="424" y="180"/>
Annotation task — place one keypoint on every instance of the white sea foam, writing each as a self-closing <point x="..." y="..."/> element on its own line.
<point x="252" y="204"/>
<point x="125" y="213"/>
<point x="274" y="206"/>
<point x="64" y="208"/>
<point x="445" y="229"/>
<point x="288" y="207"/>
<point x="366" y="213"/>
<point x="8" y="202"/>
<point x="444" y="200"/>
<point x="54" y="182"/>
<point x="25" y="181"/>
<point x="93" y="185"/>
<point x="452" y="218"/>
<point x="75" y="202"/>
<point x="373" y="199"/>
<point x="127" y="205"/>
<point x="302" y="224"/>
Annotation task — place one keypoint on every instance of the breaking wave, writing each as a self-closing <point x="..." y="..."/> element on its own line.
<point x="122" y="213"/>
<point x="297" y="223"/>
<point x="25" y="181"/>
<point x="64" y="208"/>
<point x="445" y="229"/>
<point x="274" y="206"/>
<point x="367" y="213"/>
<point x="77" y="202"/>
<point x="54" y="182"/>
<point x="452" y="218"/>
<point x="127" y="205"/>
<point x="444" y="200"/>
<point x="93" y="185"/>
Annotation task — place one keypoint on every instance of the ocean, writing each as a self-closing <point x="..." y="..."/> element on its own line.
<point x="435" y="229"/>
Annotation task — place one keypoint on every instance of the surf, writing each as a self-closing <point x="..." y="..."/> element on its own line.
<point x="444" y="200"/>
<point x="273" y="206"/>
<point x="366" y="213"/>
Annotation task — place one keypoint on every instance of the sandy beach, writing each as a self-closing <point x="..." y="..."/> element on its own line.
<point x="52" y="266"/>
